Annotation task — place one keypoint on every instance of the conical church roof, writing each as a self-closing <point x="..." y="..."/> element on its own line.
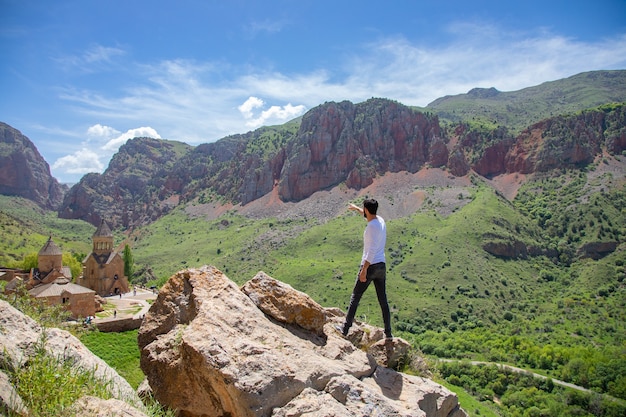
<point x="103" y="230"/>
<point x="50" y="248"/>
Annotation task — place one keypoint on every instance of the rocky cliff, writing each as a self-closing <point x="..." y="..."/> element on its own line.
<point x="210" y="348"/>
<point x="131" y="190"/>
<point x="24" y="172"/>
<point x="335" y="143"/>
<point x="344" y="142"/>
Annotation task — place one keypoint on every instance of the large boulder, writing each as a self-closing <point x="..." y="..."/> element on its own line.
<point x="10" y="401"/>
<point x="285" y="304"/>
<point x="207" y="348"/>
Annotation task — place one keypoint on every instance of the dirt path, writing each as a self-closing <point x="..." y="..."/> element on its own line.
<point x="131" y="304"/>
<point x="520" y="370"/>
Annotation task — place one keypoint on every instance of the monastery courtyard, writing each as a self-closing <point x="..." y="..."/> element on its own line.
<point x="129" y="305"/>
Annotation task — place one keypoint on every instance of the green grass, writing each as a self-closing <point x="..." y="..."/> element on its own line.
<point x="471" y="405"/>
<point x="25" y="228"/>
<point x="119" y="350"/>
<point x="48" y="385"/>
<point x="430" y="257"/>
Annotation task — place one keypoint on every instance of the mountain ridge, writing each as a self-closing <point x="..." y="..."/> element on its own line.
<point x="521" y="108"/>
<point x="345" y="143"/>
<point x="338" y="143"/>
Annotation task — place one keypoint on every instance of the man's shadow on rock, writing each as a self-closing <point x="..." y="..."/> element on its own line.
<point x="390" y="382"/>
<point x="301" y="333"/>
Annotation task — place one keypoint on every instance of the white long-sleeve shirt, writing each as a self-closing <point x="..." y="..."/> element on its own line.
<point x="374" y="240"/>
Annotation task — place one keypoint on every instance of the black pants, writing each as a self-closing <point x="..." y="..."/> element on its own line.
<point x="378" y="274"/>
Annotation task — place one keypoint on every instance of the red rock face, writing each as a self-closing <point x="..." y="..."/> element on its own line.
<point x="493" y="159"/>
<point x="521" y="157"/>
<point x="337" y="143"/>
<point x="355" y="143"/>
<point x="617" y="143"/>
<point x="457" y="163"/>
<point x="24" y="172"/>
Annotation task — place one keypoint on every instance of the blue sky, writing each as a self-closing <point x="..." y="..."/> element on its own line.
<point x="80" y="77"/>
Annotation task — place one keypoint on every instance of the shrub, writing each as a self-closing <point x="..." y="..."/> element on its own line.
<point x="48" y="384"/>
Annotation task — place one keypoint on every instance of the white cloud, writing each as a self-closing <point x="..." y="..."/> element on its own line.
<point x="95" y="153"/>
<point x="80" y="162"/>
<point x="99" y="131"/>
<point x="91" y="59"/>
<point x="249" y="105"/>
<point x="478" y="56"/>
<point x="99" y="53"/>
<point x="273" y="115"/>
<point x="199" y="102"/>
<point x="113" y="144"/>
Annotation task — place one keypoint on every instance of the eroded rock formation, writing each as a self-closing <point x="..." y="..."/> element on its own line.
<point x="210" y="348"/>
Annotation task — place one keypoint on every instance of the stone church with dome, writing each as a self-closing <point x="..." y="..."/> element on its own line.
<point x="51" y="282"/>
<point x="103" y="268"/>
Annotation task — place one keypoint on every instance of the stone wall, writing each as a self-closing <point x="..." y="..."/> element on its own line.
<point x="120" y="325"/>
<point x="83" y="305"/>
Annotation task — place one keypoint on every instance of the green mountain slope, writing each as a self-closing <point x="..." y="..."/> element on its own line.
<point x="519" y="109"/>
<point x="26" y="228"/>
<point x="448" y="295"/>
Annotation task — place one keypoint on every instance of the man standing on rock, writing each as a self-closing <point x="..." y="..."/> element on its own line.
<point x="373" y="266"/>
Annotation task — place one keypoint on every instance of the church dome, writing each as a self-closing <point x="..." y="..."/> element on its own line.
<point x="50" y="248"/>
<point x="103" y="230"/>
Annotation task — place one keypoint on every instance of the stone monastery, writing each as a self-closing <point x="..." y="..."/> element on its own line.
<point x="103" y="268"/>
<point x="103" y="275"/>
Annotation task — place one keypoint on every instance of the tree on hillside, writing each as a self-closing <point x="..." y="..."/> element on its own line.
<point x="74" y="264"/>
<point x="129" y="263"/>
<point x="31" y="260"/>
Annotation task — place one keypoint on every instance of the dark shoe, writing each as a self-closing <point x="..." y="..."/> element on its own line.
<point x="341" y="330"/>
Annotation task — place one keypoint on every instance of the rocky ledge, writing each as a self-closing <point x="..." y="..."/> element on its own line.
<point x="211" y="348"/>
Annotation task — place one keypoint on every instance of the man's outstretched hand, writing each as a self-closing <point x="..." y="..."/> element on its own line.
<point x="355" y="207"/>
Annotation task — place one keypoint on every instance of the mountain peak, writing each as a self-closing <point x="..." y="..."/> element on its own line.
<point x="483" y="92"/>
<point x="24" y="172"/>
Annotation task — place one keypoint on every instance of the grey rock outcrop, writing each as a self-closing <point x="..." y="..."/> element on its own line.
<point x="97" y="407"/>
<point x="209" y="347"/>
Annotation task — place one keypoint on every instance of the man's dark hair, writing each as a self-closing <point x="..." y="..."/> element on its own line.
<point x="371" y="205"/>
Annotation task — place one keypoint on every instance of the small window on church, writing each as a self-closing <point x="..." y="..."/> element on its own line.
<point x="65" y="300"/>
